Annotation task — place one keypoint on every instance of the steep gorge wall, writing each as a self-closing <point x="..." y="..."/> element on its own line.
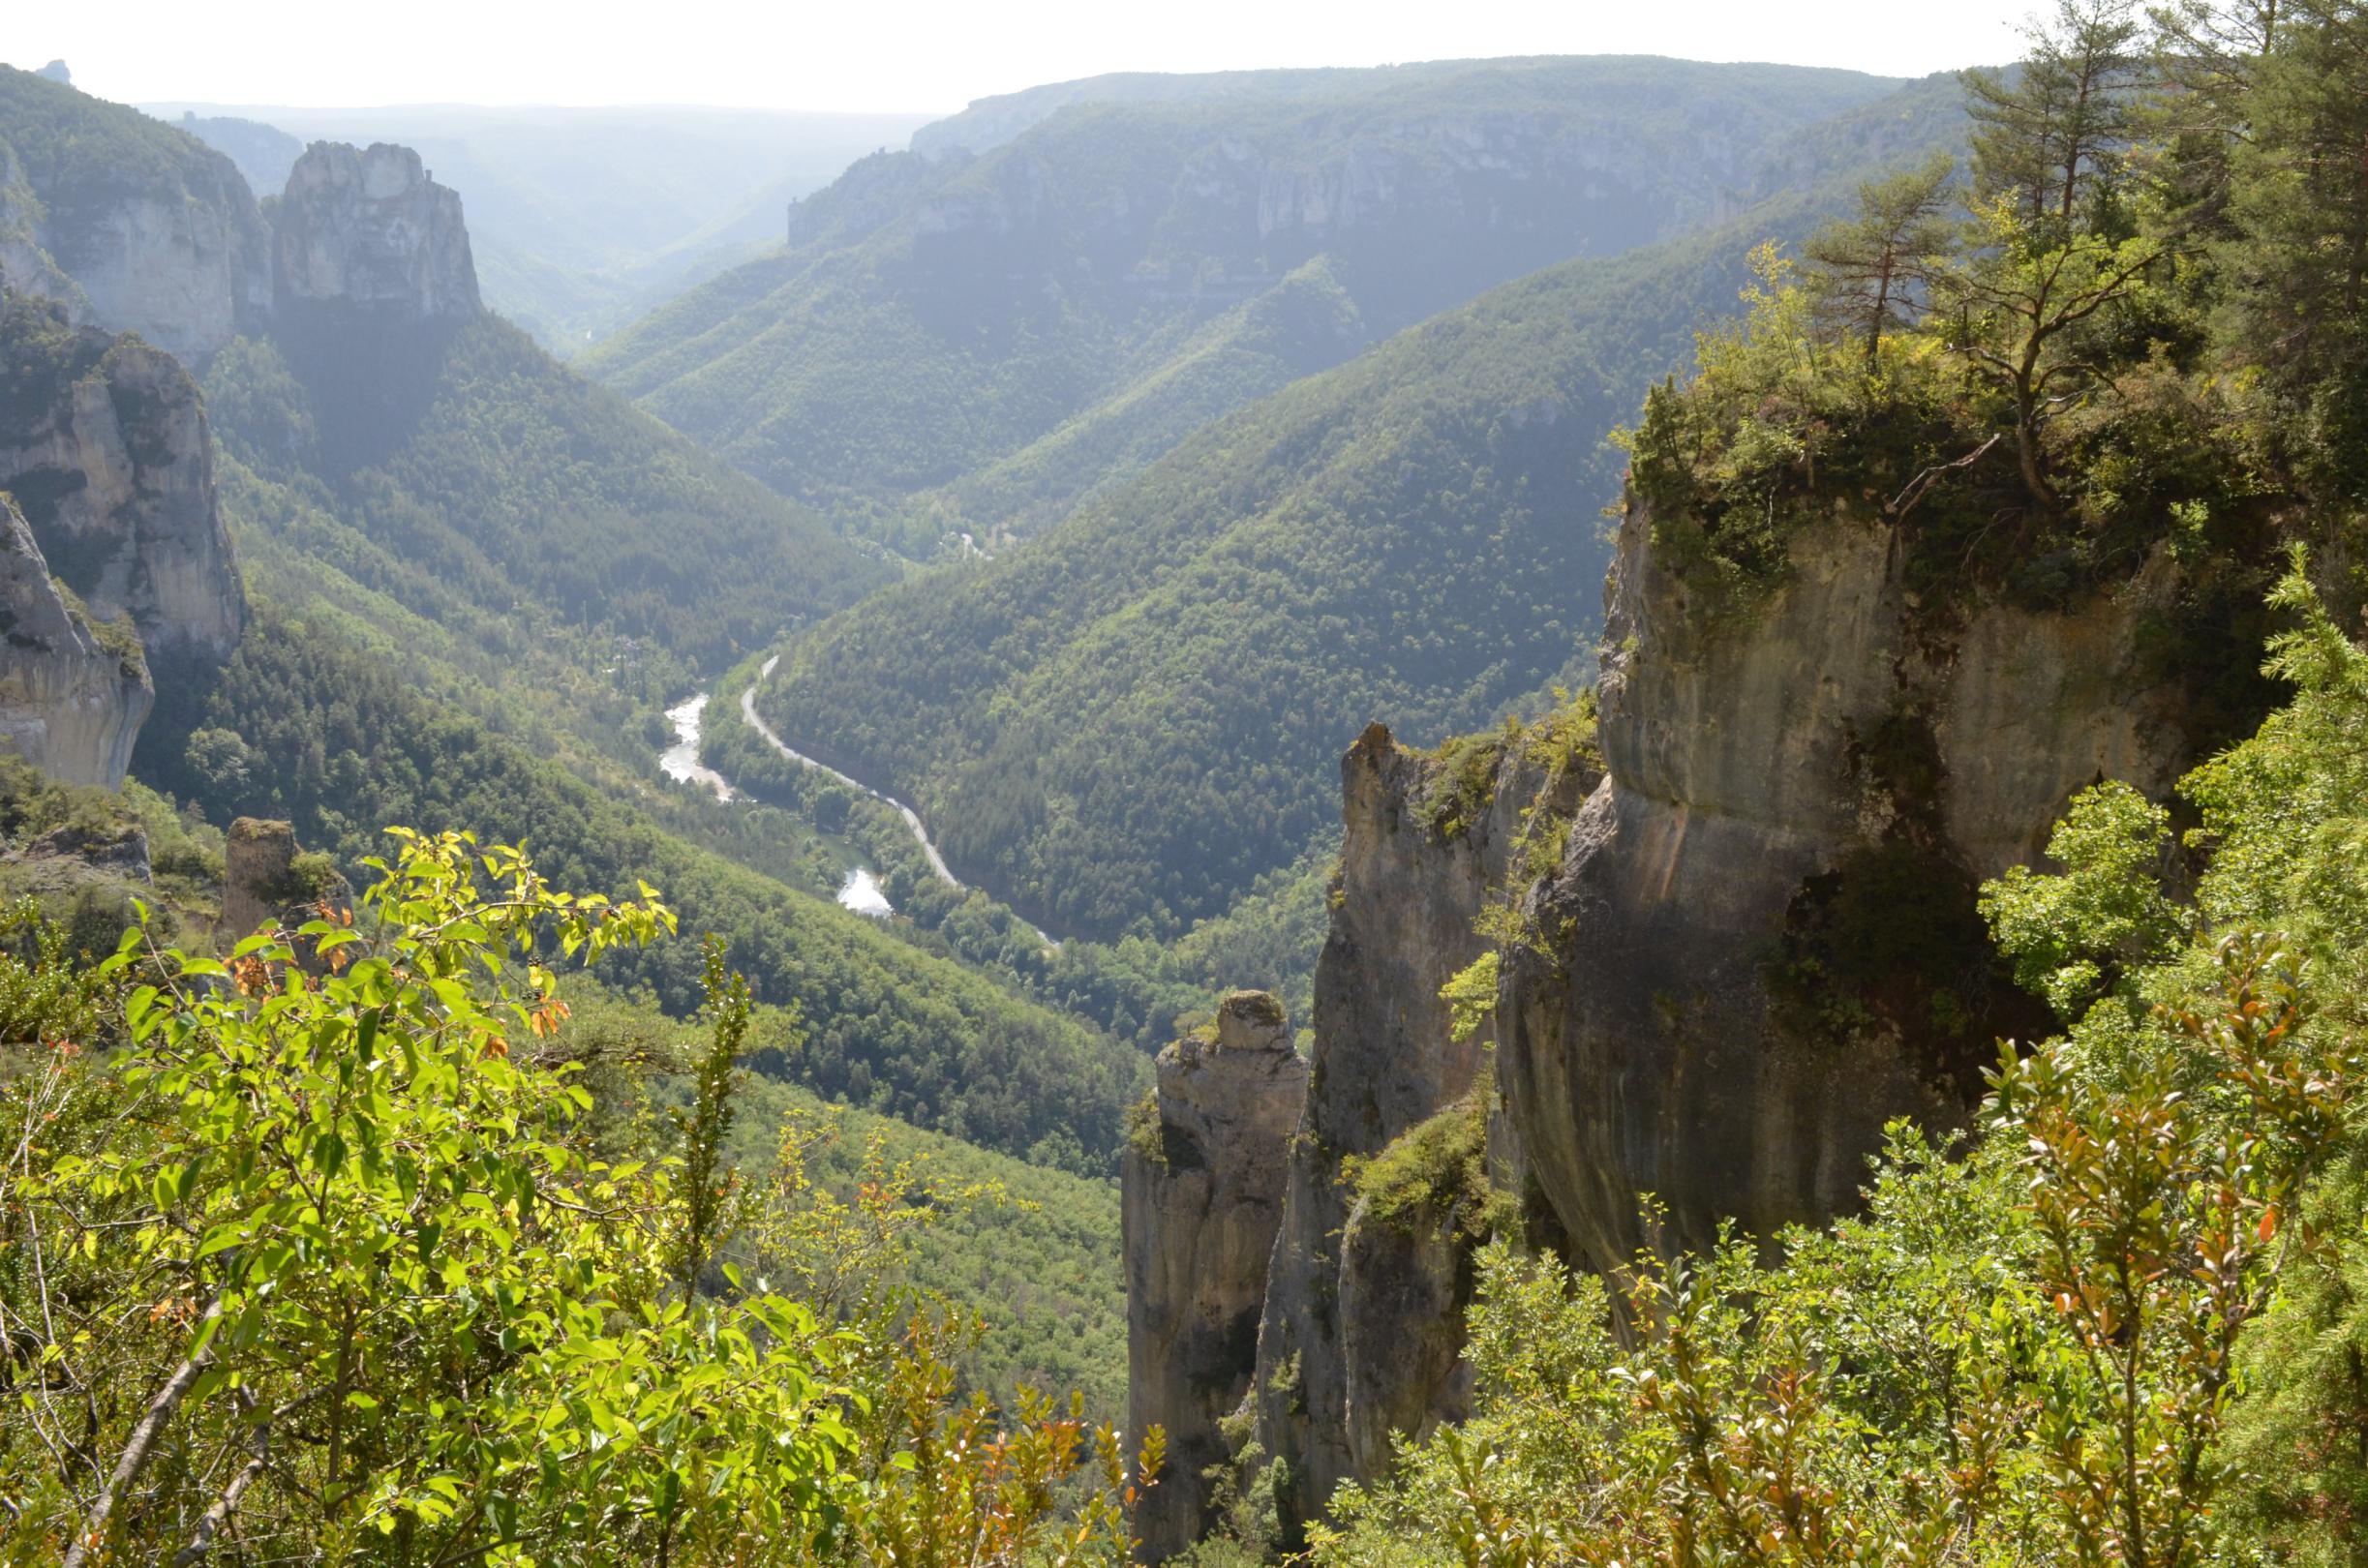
<point x="69" y="705"/>
<point x="105" y="447"/>
<point x="132" y="225"/>
<point x="1760" y="945"/>
<point x="1203" y="1190"/>
<point x="1362" y="1324"/>
<point x="1752" y="944"/>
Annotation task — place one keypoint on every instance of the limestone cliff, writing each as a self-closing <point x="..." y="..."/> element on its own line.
<point x="1202" y="1183"/>
<point x="1738" y="936"/>
<point x="1760" y="943"/>
<point x="105" y="446"/>
<point x="1362" y="1322"/>
<point x="366" y="233"/>
<point x="69" y="703"/>
<point x="155" y="233"/>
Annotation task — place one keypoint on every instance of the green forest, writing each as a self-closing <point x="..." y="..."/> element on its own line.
<point x="303" y="725"/>
<point x="1122" y="726"/>
<point x="483" y="466"/>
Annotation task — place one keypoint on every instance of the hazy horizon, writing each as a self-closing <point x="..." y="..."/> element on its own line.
<point x="445" y="56"/>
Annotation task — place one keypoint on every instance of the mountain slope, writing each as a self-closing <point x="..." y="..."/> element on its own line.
<point x="584" y="218"/>
<point x="933" y="315"/>
<point x="132" y="225"/>
<point x="1134" y="716"/>
<point x="505" y="473"/>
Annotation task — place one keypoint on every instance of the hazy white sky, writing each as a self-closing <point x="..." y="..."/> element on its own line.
<point x="903" y="54"/>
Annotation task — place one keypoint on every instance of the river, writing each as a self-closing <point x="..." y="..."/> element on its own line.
<point x="912" y="818"/>
<point x="681" y="762"/>
<point x="861" y="891"/>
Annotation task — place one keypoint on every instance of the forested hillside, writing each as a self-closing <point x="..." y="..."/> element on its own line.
<point x="1136" y="714"/>
<point x="936" y="316"/>
<point x="2114" y="1316"/>
<point x="304" y="725"/>
<point x="477" y="460"/>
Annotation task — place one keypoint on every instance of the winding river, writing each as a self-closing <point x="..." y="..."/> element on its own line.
<point x="862" y="890"/>
<point x="681" y="762"/>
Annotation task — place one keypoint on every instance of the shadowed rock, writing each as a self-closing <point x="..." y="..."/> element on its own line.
<point x="1202" y="1182"/>
<point x="69" y="705"/>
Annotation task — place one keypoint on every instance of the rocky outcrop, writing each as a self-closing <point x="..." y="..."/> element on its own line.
<point x="1202" y="1182"/>
<point x="25" y="268"/>
<point x="1761" y="944"/>
<point x="367" y="233"/>
<point x="1349" y="1348"/>
<point x="107" y="450"/>
<point x="1403" y="1284"/>
<point x="1746" y="937"/>
<point x="157" y="232"/>
<point x="268" y="882"/>
<point x="69" y="703"/>
<point x="258" y="870"/>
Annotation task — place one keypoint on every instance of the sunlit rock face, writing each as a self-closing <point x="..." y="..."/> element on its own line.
<point x="1835" y="764"/>
<point x="368" y="232"/>
<point x="169" y="245"/>
<point x="108" y="455"/>
<point x="1362" y="1327"/>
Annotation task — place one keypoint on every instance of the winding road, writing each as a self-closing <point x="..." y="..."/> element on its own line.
<point x="681" y="762"/>
<point x="912" y="818"/>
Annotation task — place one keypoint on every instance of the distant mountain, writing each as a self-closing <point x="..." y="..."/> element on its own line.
<point x="344" y="342"/>
<point x="934" y="317"/>
<point x="585" y="218"/>
<point x="264" y="153"/>
<point x="444" y="433"/>
<point x="1128" y="719"/>
<point x="990" y="122"/>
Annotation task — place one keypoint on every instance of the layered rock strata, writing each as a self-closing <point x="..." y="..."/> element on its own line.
<point x="1202" y="1182"/>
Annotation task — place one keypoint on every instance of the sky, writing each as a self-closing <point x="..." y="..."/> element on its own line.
<point x="907" y="55"/>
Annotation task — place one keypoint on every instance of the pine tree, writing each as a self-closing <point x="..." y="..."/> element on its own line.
<point x="2051" y="135"/>
<point x="2299" y="194"/>
<point x="1866" y="272"/>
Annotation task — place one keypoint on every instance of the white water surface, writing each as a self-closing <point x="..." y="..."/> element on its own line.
<point x="861" y="893"/>
<point x="681" y="762"/>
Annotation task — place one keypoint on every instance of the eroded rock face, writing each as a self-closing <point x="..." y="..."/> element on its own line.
<point x="1202" y="1183"/>
<point x="1403" y="1286"/>
<point x="1838" y="762"/>
<point x="108" y="453"/>
<point x="1411" y="889"/>
<point x="68" y="704"/>
<point x="169" y="245"/>
<point x="367" y="232"/>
